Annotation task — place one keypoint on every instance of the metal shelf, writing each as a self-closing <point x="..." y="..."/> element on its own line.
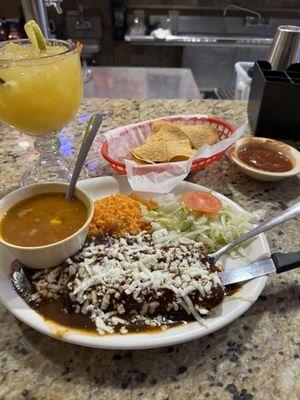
<point x="200" y="40"/>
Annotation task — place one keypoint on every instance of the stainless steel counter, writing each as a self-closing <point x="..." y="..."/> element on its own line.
<point x="200" y="40"/>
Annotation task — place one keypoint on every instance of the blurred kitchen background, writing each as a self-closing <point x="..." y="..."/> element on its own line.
<point x="160" y="49"/>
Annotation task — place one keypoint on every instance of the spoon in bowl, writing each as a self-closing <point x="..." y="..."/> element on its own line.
<point x="89" y="136"/>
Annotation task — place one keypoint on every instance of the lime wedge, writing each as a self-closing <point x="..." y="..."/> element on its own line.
<point x="35" y="35"/>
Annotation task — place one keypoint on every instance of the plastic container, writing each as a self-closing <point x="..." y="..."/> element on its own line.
<point x="273" y="106"/>
<point x="243" y="81"/>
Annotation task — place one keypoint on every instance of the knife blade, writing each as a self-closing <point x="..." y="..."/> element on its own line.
<point x="247" y="272"/>
<point x="277" y="263"/>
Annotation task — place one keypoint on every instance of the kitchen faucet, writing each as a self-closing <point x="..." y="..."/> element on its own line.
<point x="238" y="8"/>
<point x="255" y="19"/>
<point x="37" y="10"/>
<point x="55" y="4"/>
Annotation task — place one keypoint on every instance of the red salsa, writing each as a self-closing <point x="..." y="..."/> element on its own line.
<point x="265" y="159"/>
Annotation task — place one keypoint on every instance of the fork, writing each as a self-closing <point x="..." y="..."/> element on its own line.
<point x="286" y="215"/>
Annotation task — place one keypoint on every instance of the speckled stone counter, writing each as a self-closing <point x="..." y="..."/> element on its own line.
<point x="255" y="357"/>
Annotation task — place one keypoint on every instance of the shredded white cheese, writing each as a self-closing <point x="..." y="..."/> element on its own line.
<point x="132" y="279"/>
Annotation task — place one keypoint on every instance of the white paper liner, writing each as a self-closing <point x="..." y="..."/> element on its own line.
<point x="160" y="178"/>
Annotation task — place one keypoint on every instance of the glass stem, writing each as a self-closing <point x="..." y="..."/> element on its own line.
<point x="51" y="165"/>
<point x="48" y="147"/>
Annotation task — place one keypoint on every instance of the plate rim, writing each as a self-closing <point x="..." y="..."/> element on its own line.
<point x="134" y="341"/>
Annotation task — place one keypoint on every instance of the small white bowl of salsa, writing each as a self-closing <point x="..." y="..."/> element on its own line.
<point x="40" y="228"/>
<point x="265" y="159"/>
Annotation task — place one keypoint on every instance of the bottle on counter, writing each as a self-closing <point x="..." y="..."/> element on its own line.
<point x="119" y="18"/>
<point x="4" y="30"/>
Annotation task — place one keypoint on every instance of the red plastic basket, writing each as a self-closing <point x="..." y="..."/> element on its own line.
<point x="225" y="130"/>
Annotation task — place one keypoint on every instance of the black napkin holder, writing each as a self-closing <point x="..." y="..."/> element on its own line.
<point x="274" y="102"/>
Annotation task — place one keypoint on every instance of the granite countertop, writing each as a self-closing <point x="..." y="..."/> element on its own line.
<point x="255" y="357"/>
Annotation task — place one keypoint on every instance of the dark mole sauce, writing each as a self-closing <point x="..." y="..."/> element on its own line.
<point x="232" y="289"/>
<point x="265" y="159"/>
<point x="60" y="312"/>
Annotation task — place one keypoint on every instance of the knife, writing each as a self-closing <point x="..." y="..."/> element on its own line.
<point x="277" y="263"/>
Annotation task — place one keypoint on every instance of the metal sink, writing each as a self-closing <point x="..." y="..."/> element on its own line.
<point x="220" y="25"/>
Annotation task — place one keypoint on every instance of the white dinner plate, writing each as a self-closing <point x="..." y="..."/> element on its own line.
<point x="229" y="310"/>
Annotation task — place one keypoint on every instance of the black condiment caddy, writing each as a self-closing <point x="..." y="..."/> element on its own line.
<point x="274" y="102"/>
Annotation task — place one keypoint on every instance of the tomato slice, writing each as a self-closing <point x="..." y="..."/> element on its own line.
<point x="202" y="201"/>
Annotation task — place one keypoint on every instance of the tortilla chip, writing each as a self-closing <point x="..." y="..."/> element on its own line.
<point x="179" y="150"/>
<point x="200" y="134"/>
<point x="179" y="158"/>
<point x="137" y="160"/>
<point x="153" y="150"/>
<point x="167" y="131"/>
<point x="157" y="125"/>
<point x="170" y="143"/>
<point x="171" y="134"/>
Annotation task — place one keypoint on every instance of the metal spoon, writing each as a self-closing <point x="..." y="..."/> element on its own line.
<point x="90" y="133"/>
<point x="289" y="213"/>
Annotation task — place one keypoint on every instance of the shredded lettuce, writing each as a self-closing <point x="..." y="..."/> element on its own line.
<point x="172" y="222"/>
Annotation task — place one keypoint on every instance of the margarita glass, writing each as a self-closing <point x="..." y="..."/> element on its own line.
<point x="40" y="92"/>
